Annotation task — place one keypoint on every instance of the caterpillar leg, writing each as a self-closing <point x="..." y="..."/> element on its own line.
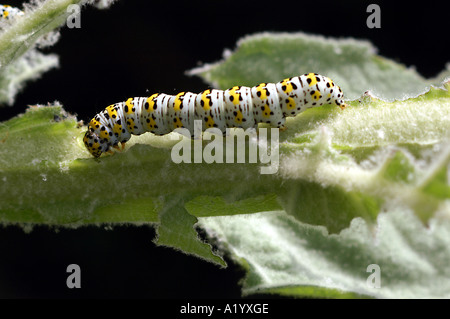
<point x="343" y="106"/>
<point x="282" y="128"/>
<point x="121" y="148"/>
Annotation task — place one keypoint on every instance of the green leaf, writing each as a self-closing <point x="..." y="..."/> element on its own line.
<point x="20" y="60"/>
<point x="177" y="230"/>
<point x="378" y="149"/>
<point x="29" y="67"/>
<point x="284" y="256"/>
<point x="217" y="206"/>
<point x="374" y="157"/>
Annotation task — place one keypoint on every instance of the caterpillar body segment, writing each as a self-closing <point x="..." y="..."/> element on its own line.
<point x="239" y="106"/>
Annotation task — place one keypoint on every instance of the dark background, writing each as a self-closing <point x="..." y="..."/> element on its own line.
<point x="139" y="47"/>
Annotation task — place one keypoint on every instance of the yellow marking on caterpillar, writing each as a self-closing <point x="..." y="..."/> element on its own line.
<point x="111" y="111"/>
<point x="206" y="100"/>
<point x="236" y="96"/>
<point x="290" y="103"/>
<point x="130" y="124"/>
<point x="104" y="134"/>
<point x="238" y="117"/>
<point x="178" y="102"/>
<point x="130" y="105"/>
<point x="312" y="79"/>
<point x="94" y="123"/>
<point x="261" y="91"/>
<point x="287" y="85"/>
<point x="316" y="95"/>
<point x="151" y="123"/>
<point x="151" y="102"/>
<point x="117" y="129"/>
<point x="266" y="110"/>
<point x="177" y="123"/>
<point x="209" y="122"/>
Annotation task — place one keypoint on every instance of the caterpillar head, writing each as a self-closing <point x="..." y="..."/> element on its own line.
<point x="94" y="144"/>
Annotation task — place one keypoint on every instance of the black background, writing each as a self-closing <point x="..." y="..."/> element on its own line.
<point x="141" y="47"/>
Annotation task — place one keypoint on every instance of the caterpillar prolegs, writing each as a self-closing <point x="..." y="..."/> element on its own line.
<point x="241" y="107"/>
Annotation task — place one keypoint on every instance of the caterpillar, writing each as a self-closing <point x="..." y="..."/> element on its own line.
<point x="7" y="12"/>
<point x="240" y="106"/>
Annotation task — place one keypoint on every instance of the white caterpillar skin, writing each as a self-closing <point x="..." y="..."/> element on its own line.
<point x="240" y="106"/>
<point x="8" y="12"/>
